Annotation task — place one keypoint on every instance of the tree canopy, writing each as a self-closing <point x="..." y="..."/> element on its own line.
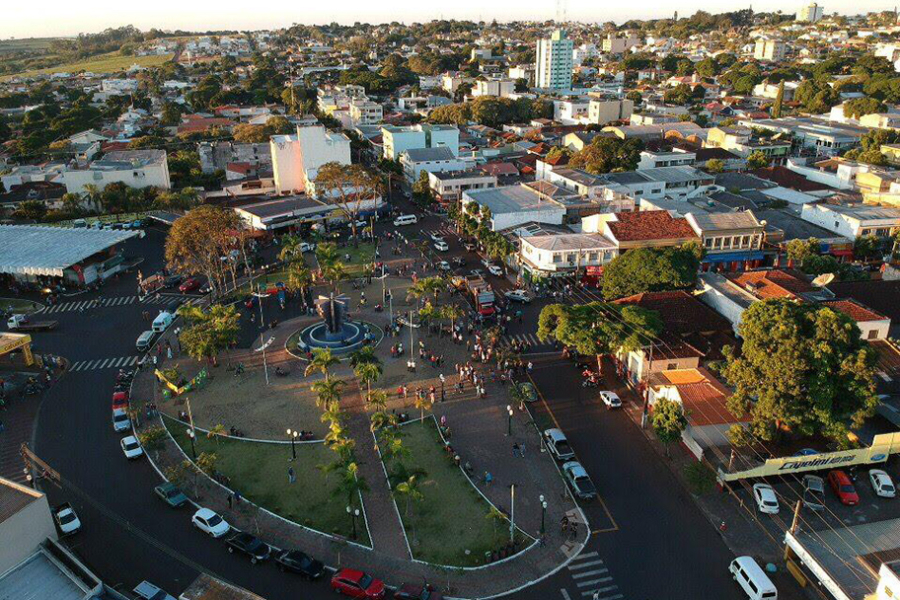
<point x="598" y="327"/>
<point x="607" y="155"/>
<point x="651" y="270"/>
<point x="802" y="368"/>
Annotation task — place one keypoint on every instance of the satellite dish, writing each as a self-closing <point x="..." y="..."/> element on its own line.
<point x="823" y="279"/>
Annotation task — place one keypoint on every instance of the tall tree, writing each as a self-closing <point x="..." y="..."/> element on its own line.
<point x="197" y="241"/>
<point x="802" y="368"/>
<point x="668" y="421"/>
<point x="779" y="100"/>
<point x="598" y="328"/>
<point x="650" y="270"/>
<point x="348" y="186"/>
<point x="209" y="332"/>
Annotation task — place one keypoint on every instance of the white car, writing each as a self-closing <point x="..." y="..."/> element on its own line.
<point x="558" y="445"/>
<point x="495" y="270"/>
<point x="436" y="237"/>
<point x="766" y="500"/>
<point x="131" y="447"/>
<point x="307" y="247"/>
<point x="66" y="519"/>
<point x="120" y="420"/>
<point x="210" y="522"/>
<point x="441" y="246"/>
<point x="518" y="296"/>
<point x="443" y="266"/>
<point x="611" y="399"/>
<point x="882" y="484"/>
<point x="359" y="224"/>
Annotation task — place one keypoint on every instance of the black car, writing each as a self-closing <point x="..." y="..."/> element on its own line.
<point x="252" y="546"/>
<point x="300" y="563"/>
<point x="173" y="281"/>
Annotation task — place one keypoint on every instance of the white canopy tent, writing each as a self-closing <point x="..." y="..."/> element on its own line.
<point x="43" y="250"/>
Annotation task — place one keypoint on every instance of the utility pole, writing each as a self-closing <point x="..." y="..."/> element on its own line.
<point x="512" y="512"/>
<point x="796" y="522"/>
<point x="265" y="364"/>
<point x="412" y="358"/>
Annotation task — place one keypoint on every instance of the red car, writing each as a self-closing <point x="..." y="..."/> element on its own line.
<point x="357" y="584"/>
<point x="843" y="488"/>
<point x="189" y="285"/>
<point x="120" y="400"/>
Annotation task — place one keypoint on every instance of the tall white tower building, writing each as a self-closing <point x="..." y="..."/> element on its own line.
<point x="553" y="66"/>
<point x="810" y="13"/>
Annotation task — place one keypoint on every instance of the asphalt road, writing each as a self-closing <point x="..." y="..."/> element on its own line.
<point x="655" y="543"/>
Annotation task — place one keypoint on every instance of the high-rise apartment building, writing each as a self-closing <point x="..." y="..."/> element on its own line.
<point x="810" y="13"/>
<point x="769" y="49"/>
<point x="553" y="67"/>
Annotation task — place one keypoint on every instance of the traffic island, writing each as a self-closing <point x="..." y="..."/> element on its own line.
<point x="259" y="471"/>
<point x="19" y="306"/>
<point x="446" y="519"/>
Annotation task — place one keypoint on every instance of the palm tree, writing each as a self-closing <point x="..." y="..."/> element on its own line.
<point x="322" y="360"/>
<point x="368" y="372"/>
<point x="299" y="277"/>
<point x="330" y="265"/>
<point x="92" y="193"/>
<point x="328" y="391"/>
<point x="216" y="432"/>
<point x="351" y="484"/>
<point x="366" y="354"/>
<point x="422" y="402"/>
<point x="452" y="312"/>
<point x="378" y="400"/>
<point x="410" y="489"/>
<point x="380" y="420"/>
<point x="424" y="287"/>
<point x="290" y="248"/>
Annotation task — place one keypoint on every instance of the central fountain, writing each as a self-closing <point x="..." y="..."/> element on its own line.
<point x="336" y="331"/>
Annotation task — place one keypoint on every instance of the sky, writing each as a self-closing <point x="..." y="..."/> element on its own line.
<point x="51" y="18"/>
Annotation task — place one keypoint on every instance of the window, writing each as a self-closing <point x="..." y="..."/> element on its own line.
<point x="873" y="334"/>
<point x="671" y="366"/>
<point x="557" y="258"/>
<point x="592" y="256"/>
<point x="708" y="242"/>
<point x="745" y="241"/>
<point x="726" y="242"/>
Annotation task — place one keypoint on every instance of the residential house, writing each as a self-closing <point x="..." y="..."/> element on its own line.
<point x="448" y="186"/>
<point x="431" y="160"/>
<point x="134" y="168"/>
<point x="853" y="222"/>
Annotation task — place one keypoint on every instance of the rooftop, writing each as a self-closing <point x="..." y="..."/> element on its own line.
<point x="41" y="250"/>
<point x="570" y="241"/>
<point x="717" y="221"/>
<point x="879" y="295"/>
<point x="429" y="154"/>
<point x="511" y="199"/>
<point x="854" y="310"/>
<point x="649" y="225"/>
<point x="773" y="283"/>
<point x="14" y="497"/>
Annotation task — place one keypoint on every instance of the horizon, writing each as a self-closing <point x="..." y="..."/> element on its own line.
<point x="229" y="15"/>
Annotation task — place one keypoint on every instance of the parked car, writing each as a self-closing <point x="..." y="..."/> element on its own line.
<point x="477" y="272"/>
<point x="518" y="296"/>
<point x="172" y="280"/>
<point x="120" y="400"/>
<point x="210" y="522"/>
<point x="443" y="266"/>
<point x="558" y="445"/>
<point x="470" y="246"/>
<point x="169" y="493"/>
<point x="250" y="545"/>
<point x="357" y="584"/>
<point x="148" y="591"/>
<point x="131" y="447"/>
<point x="360" y="223"/>
<point x="882" y="484"/>
<point x="189" y="285"/>
<point x="611" y="399"/>
<point x="843" y="488"/>
<point x="416" y="591"/>
<point x="495" y="270"/>
<point x="766" y="500"/>
<point x="66" y="520"/>
<point x="814" y="492"/>
<point x="307" y="247"/>
<point x="458" y="261"/>
<point x="120" y="420"/>
<point x="300" y="563"/>
<point x="579" y="480"/>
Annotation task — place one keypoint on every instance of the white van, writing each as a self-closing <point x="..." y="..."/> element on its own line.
<point x="144" y="340"/>
<point x="162" y="321"/>
<point x="405" y="220"/>
<point x="752" y="579"/>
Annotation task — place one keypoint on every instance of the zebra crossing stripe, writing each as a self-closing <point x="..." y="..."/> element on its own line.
<point x="602" y="590"/>
<point x="593" y="581"/>
<point x="583" y="565"/>
<point x="591" y="573"/>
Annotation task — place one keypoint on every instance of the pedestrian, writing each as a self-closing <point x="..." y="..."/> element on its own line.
<point x="230" y="501"/>
<point x="292" y="478"/>
<point x="522" y="449"/>
<point x="488" y="478"/>
<point x="237" y="497"/>
<point x="515" y="449"/>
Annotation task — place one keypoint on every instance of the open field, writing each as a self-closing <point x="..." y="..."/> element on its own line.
<point x="259" y="471"/>
<point x="105" y="63"/>
<point x="25" y="45"/>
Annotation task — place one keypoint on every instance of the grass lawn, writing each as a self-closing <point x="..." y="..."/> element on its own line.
<point x="18" y="305"/>
<point x="452" y="517"/>
<point x="701" y="479"/>
<point x="259" y="471"/>
<point x="360" y="256"/>
<point x="104" y="63"/>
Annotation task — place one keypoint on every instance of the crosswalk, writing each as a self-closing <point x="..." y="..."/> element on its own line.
<point x="511" y="338"/>
<point x="592" y="579"/>
<point x="442" y="231"/>
<point x="76" y="305"/>
<point x="104" y="363"/>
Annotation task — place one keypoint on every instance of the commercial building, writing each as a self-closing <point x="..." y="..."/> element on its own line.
<point x="553" y="64"/>
<point x="297" y="158"/>
<point x="563" y="254"/>
<point x="134" y="168"/>
<point x="853" y="222"/>
<point x="644" y="229"/>
<point x="80" y="256"/>
<point x="275" y="215"/>
<point x="732" y="240"/>
<point x="517" y="204"/>
<point x="740" y="141"/>
<point x="431" y="160"/>
<point x="448" y="186"/>
<point x="397" y="140"/>
<point x="769" y="49"/>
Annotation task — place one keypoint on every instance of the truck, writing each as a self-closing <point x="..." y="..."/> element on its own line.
<point x="482" y="295"/>
<point x="66" y="519"/>
<point x="23" y="323"/>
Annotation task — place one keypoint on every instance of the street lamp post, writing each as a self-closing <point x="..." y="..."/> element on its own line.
<point x="543" y="515"/>
<point x="443" y="379"/>
<point x="292" y="435"/>
<point x="353" y="514"/>
<point x="509" y="412"/>
<point x="190" y="433"/>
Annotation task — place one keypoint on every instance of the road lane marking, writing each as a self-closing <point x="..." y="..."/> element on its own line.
<point x="593" y="581"/>
<point x="565" y="594"/>
<point x="584" y="566"/>
<point x="603" y="590"/>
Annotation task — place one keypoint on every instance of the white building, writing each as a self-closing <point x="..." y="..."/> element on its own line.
<point x="134" y="168"/>
<point x="297" y="158"/>
<point x="431" y="160"/>
<point x="365" y="112"/>
<point x="448" y="186"/>
<point x="516" y="205"/>
<point x="553" y="64"/>
<point x="450" y="82"/>
<point x="613" y="44"/>
<point x="571" y="112"/>
<point x="397" y="140"/>
<point x="551" y="254"/>
<point x="654" y="160"/>
<point x="500" y="88"/>
<point x="853" y="221"/>
<point x="811" y="13"/>
<point x="603" y="111"/>
<point x="769" y="49"/>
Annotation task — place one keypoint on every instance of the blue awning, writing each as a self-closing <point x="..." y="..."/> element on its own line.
<point x="734" y="256"/>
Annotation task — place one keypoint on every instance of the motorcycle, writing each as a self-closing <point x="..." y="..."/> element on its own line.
<point x="589" y="383"/>
<point x="281" y="372"/>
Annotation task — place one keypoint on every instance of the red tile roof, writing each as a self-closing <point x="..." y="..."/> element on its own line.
<point x="193" y="124"/>
<point x="854" y="310"/>
<point x="650" y="225"/>
<point x="789" y="179"/>
<point x="772" y="283"/>
<point x="680" y="312"/>
<point x="499" y="168"/>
